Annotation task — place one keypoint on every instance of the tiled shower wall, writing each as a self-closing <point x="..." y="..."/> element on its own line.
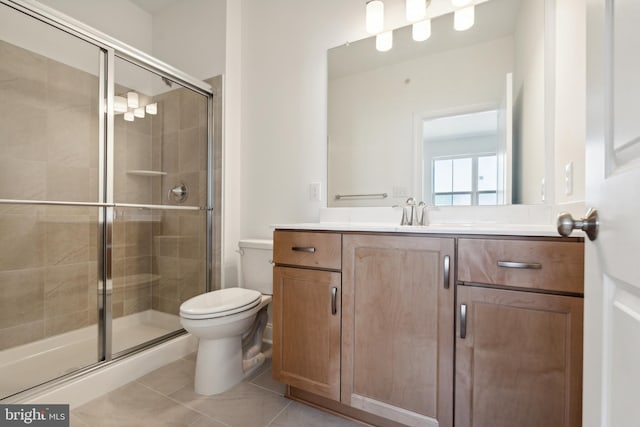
<point x="49" y="151"/>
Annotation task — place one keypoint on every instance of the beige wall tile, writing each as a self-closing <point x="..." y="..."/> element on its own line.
<point x="66" y="322"/>
<point x="21" y="334"/>
<point x="67" y="183"/>
<point x="66" y="289"/>
<point x="22" y="179"/>
<point x="22" y="242"/>
<point x="21" y="297"/>
<point x="67" y="242"/>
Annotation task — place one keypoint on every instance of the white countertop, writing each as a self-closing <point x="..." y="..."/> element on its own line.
<point x="454" y="228"/>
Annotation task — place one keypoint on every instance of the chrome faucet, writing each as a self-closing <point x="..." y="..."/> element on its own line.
<point x="413" y="214"/>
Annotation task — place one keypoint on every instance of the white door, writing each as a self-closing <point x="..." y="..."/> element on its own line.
<point x="612" y="288"/>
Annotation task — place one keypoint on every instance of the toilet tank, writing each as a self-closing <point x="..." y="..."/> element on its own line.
<point x="256" y="265"/>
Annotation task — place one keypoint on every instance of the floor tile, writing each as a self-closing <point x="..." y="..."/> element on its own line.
<point x="265" y="380"/>
<point x="205" y="421"/>
<point x="246" y="405"/>
<point x="134" y="405"/>
<point x="297" y="414"/>
<point x="170" y="378"/>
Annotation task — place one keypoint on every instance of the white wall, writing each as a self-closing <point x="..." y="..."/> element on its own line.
<point x="284" y="84"/>
<point x="570" y="127"/>
<point x="191" y="37"/>
<point x="119" y="19"/>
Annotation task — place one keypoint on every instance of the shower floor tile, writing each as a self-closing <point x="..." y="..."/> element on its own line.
<point x="165" y="397"/>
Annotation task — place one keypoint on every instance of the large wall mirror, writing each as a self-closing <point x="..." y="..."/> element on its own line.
<point x="458" y="119"/>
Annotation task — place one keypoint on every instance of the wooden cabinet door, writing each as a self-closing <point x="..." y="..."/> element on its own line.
<point x="398" y="327"/>
<point x="306" y="334"/>
<point x="518" y="359"/>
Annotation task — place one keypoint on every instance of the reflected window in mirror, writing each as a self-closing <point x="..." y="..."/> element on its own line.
<point x="461" y="164"/>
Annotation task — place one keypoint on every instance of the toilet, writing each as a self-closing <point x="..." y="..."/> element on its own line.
<point x="230" y="322"/>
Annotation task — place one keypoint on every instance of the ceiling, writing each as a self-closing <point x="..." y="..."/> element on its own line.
<point x="154" y="6"/>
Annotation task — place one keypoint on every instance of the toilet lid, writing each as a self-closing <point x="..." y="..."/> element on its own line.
<point x="223" y="302"/>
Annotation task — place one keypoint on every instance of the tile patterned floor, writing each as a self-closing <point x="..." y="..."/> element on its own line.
<point x="165" y="397"/>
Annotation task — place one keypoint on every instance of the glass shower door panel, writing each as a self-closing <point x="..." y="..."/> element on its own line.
<point x="49" y="130"/>
<point x="49" y="143"/>
<point x="48" y="293"/>
<point x="160" y="192"/>
<point x="158" y="262"/>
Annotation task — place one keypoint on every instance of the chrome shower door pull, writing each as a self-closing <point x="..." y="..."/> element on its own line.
<point x="589" y="224"/>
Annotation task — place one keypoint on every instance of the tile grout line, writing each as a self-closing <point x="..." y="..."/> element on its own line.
<point x="182" y="404"/>
<point x="267" y="389"/>
<point x="278" y="414"/>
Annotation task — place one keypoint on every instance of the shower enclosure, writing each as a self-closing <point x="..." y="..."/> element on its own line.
<point x="105" y="198"/>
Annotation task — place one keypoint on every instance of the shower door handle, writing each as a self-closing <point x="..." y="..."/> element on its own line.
<point x="334" y="301"/>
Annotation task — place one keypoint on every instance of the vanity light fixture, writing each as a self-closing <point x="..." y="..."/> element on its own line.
<point x="374" y="16"/>
<point x="421" y="31"/>
<point x="132" y="100"/>
<point x="384" y="41"/>
<point x="464" y="18"/>
<point x="119" y="104"/>
<point x="416" y="10"/>
<point x="124" y="105"/>
<point x="152" y="108"/>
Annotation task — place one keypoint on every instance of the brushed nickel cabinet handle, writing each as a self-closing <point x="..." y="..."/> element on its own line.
<point x="447" y="264"/>
<point x="514" y="264"/>
<point x="463" y="321"/>
<point x="309" y="249"/>
<point x="334" y="300"/>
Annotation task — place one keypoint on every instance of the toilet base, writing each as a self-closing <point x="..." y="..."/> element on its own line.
<point x="218" y="365"/>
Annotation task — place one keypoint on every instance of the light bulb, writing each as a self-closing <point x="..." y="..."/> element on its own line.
<point x="421" y="30"/>
<point x="152" y="108"/>
<point x="463" y="18"/>
<point x="119" y="104"/>
<point x="128" y="116"/>
<point x="416" y="10"/>
<point x="132" y="100"/>
<point x="139" y="112"/>
<point x="384" y="41"/>
<point x="460" y="3"/>
<point x="374" y="16"/>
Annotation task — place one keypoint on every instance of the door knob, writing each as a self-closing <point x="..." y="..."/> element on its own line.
<point x="589" y="224"/>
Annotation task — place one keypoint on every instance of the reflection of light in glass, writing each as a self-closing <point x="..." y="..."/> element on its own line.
<point x="463" y="19"/>
<point x="384" y="41"/>
<point x="128" y="116"/>
<point x="416" y="10"/>
<point x="421" y="31"/>
<point x="139" y="112"/>
<point x="152" y="108"/>
<point x="119" y="104"/>
<point x="374" y="16"/>
<point x="132" y="100"/>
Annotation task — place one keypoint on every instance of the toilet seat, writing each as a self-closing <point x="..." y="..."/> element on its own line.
<point x="220" y="303"/>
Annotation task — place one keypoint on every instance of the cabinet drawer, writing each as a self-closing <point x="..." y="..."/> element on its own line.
<point x="307" y="249"/>
<point x="544" y="265"/>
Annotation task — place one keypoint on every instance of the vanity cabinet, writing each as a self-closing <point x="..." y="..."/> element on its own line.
<point x="383" y="327"/>
<point x="397" y="327"/>
<point x="519" y="333"/>
<point x="306" y="311"/>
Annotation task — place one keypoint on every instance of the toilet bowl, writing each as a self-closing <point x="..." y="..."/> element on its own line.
<point x="230" y="322"/>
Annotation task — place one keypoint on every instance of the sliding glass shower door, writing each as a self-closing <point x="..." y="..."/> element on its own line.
<point x="50" y="85"/>
<point x="160" y="195"/>
<point x="105" y="198"/>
